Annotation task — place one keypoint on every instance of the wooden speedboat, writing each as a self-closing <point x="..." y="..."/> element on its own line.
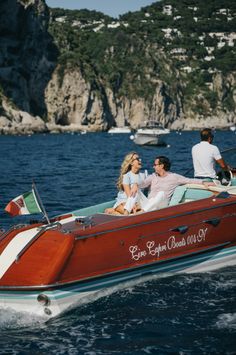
<point x="47" y="268"/>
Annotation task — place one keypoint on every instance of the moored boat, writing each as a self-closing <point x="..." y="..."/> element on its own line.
<point x="47" y="268"/>
<point x="150" y="134"/>
<point x="114" y="130"/>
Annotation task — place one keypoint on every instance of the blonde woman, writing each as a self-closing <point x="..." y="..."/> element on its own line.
<point x="129" y="175"/>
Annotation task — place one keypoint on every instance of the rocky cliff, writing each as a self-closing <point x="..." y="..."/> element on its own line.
<point x="73" y="101"/>
<point x="27" y="60"/>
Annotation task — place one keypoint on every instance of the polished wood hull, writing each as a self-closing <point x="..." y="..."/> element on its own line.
<point x="59" y="264"/>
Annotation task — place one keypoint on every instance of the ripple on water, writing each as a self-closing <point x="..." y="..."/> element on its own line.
<point x="226" y="321"/>
<point x="180" y="314"/>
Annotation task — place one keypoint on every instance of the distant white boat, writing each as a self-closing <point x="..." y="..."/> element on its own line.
<point x="151" y="134"/>
<point x="124" y="129"/>
<point x="232" y="128"/>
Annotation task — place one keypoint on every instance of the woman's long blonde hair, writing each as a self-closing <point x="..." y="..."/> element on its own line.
<point x="125" y="167"/>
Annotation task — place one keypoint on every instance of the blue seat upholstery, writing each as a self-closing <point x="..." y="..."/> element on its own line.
<point x="177" y="195"/>
<point x="185" y="193"/>
<point x="87" y="211"/>
<point x="233" y="182"/>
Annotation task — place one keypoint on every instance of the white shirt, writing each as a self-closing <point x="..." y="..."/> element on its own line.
<point x="204" y="156"/>
<point x="128" y="179"/>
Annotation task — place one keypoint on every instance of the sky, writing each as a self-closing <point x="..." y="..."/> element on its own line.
<point x="113" y="8"/>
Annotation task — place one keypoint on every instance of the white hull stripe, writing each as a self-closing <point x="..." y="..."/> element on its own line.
<point x="15" y="246"/>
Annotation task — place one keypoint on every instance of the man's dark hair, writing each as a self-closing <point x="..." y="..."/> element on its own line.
<point x="206" y="133"/>
<point x="165" y="161"/>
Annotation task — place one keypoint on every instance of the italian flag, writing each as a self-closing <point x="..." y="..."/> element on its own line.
<point x="24" y="204"/>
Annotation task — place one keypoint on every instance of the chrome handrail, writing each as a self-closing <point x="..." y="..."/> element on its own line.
<point x="14" y="227"/>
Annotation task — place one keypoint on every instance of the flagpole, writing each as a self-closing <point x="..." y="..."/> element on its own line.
<point x="40" y="202"/>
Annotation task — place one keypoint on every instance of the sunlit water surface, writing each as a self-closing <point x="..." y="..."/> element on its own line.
<point x="183" y="314"/>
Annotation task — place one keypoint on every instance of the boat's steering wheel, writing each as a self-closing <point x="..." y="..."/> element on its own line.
<point x="225" y="177"/>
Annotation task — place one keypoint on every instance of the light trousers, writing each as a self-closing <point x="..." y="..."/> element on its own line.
<point x="147" y="204"/>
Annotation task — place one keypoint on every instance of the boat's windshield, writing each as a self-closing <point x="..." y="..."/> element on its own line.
<point x="152" y="124"/>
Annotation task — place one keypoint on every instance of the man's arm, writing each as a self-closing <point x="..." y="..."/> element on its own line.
<point x="223" y="164"/>
<point x="145" y="183"/>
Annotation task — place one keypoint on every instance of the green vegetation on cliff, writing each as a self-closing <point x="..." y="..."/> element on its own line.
<point x="182" y="43"/>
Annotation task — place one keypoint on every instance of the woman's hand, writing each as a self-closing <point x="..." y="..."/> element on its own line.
<point x="134" y="190"/>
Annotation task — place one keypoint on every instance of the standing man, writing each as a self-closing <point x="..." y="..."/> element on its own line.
<point x="205" y="155"/>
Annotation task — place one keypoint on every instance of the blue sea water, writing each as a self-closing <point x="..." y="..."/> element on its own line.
<point x="181" y="314"/>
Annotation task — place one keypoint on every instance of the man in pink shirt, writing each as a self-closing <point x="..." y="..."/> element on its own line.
<point x="162" y="184"/>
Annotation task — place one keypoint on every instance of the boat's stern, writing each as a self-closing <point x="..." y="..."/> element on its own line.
<point x="31" y="259"/>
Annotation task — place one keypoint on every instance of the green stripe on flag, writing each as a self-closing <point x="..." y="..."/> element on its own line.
<point x="31" y="203"/>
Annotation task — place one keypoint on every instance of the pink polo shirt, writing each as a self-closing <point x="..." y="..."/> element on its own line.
<point x="167" y="183"/>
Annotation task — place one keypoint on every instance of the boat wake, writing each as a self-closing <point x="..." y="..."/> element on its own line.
<point x="129" y="286"/>
<point x="212" y="282"/>
<point x="10" y="319"/>
<point x="226" y="321"/>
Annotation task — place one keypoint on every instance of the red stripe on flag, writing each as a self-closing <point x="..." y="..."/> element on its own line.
<point x="12" y="208"/>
